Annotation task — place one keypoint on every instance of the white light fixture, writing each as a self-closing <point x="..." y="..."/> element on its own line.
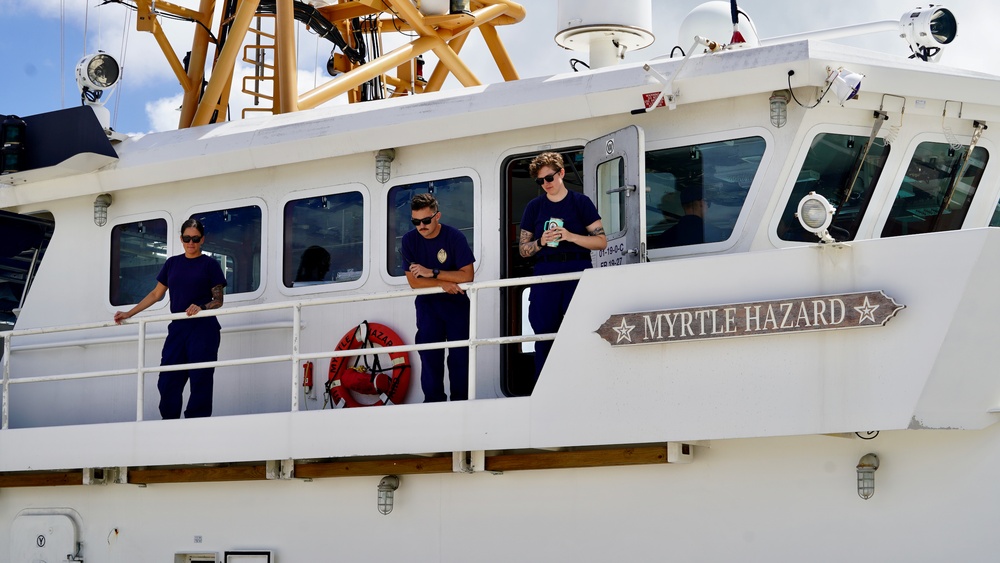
<point x="815" y="213"/>
<point x="928" y="30"/>
<point x="95" y="75"/>
<point x="779" y="108"/>
<point x="386" y="490"/>
<point x="383" y="164"/>
<point x="867" y="466"/>
<point x="844" y="84"/>
<point x="101" y="205"/>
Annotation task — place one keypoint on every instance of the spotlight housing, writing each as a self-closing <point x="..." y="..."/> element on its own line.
<point x="928" y="30"/>
<point x="815" y="213"/>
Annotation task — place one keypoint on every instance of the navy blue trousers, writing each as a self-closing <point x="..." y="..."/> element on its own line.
<point x="548" y="303"/>
<point x="188" y="341"/>
<point x="443" y="319"/>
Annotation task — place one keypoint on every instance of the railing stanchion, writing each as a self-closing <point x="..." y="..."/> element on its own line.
<point x="140" y="371"/>
<point x="473" y="334"/>
<point x="6" y="379"/>
<point x="296" y="322"/>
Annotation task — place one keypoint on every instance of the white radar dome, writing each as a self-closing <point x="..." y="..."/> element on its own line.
<point x="606" y="29"/>
<point x="714" y="21"/>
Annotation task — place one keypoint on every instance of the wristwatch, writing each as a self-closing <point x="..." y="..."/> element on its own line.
<point x="435" y="271"/>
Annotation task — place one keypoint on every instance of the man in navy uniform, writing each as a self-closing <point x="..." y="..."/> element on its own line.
<point x="436" y="255"/>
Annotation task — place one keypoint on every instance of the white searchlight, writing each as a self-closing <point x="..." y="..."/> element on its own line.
<point x="95" y="75"/>
<point x="815" y="213"/>
<point x="928" y="30"/>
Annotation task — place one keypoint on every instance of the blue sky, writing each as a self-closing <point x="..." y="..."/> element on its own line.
<point x="41" y="42"/>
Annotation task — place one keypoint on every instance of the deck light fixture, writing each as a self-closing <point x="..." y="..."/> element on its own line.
<point x="815" y="213"/>
<point x="844" y="84"/>
<point x="101" y="205"/>
<point x="867" y="466"/>
<point x="928" y="30"/>
<point x="779" y="108"/>
<point x="383" y="164"/>
<point x="386" y="490"/>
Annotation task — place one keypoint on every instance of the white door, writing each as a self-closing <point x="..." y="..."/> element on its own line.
<point x="615" y="179"/>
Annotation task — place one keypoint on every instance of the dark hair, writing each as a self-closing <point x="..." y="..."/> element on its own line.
<point x="553" y="160"/>
<point x="314" y="265"/>
<point x="192" y="222"/>
<point x="423" y="201"/>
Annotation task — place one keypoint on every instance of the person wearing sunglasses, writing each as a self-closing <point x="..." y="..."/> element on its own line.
<point x="568" y="227"/>
<point x="195" y="282"/>
<point x="438" y="255"/>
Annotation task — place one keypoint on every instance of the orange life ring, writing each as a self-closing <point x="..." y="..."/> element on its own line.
<point x="390" y="385"/>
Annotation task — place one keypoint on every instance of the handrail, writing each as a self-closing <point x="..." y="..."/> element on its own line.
<point x="295" y="356"/>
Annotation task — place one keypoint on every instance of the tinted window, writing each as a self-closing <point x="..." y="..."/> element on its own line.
<point x="324" y="240"/>
<point x="930" y="199"/>
<point x="829" y="168"/>
<point x="455" y="201"/>
<point x="233" y="237"/>
<point x="695" y="193"/>
<point x="138" y="251"/>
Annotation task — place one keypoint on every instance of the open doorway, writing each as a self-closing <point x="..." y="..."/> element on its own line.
<point x="517" y="363"/>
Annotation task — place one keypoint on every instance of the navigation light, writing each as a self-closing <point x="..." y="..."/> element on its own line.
<point x="844" y="84"/>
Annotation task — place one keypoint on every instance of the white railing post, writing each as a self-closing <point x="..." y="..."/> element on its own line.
<point x="140" y="371"/>
<point x="296" y="321"/>
<point x="473" y="334"/>
<point x="6" y="379"/>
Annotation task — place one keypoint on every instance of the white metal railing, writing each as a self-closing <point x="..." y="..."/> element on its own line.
<point x="294" y="357"/>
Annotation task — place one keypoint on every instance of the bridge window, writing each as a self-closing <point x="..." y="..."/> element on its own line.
<point x="833" y="169"/>
<point x="455" y="198"/>
<point x="696" y="192"/>
<point x="233" y="237"/>
<point x="138" y="251"/>
<point x="937" y="190"/>
<point x="324" y="240"/>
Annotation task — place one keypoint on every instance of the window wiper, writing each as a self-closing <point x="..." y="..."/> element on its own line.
<point x="880" y="117"/>
<point x="977" y="132"/>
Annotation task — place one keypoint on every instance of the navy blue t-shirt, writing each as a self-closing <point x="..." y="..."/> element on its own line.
<point x="577" y="212"/>
<point x="190" y="280"/>
<point x="448" y="251"/>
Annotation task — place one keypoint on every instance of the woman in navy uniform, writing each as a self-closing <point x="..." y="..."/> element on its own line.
<point x="438" y="255"/>
<point x="195" y="282"/>
<point x="569" y="228"/>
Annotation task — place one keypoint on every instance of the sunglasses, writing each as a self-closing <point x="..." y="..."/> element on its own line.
<point x="195" y="239"/>
<point x="548" y="178"/>
<point x="424" y="221"/>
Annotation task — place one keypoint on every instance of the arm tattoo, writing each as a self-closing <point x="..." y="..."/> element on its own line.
<point x="216" y="301"/>
<point x="596" y="232"/>
<point x="527" y="245"/>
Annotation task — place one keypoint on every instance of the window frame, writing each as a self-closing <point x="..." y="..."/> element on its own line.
<point x="279" y="235"/>
<point x="125" y="219"/>
<point x="477" y="224"/>
<point x="873" y="219"/>
<point x="983" y="203"/>
<point x="177" y="248"/>
<point x="763" y="171"/>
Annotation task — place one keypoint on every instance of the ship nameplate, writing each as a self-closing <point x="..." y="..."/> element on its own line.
<point x="758" y="318"/>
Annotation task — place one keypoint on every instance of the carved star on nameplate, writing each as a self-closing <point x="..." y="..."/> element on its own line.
<point x="759" y="318"/>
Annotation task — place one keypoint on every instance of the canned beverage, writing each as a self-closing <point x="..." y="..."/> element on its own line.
<point x="553" y="223"/>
